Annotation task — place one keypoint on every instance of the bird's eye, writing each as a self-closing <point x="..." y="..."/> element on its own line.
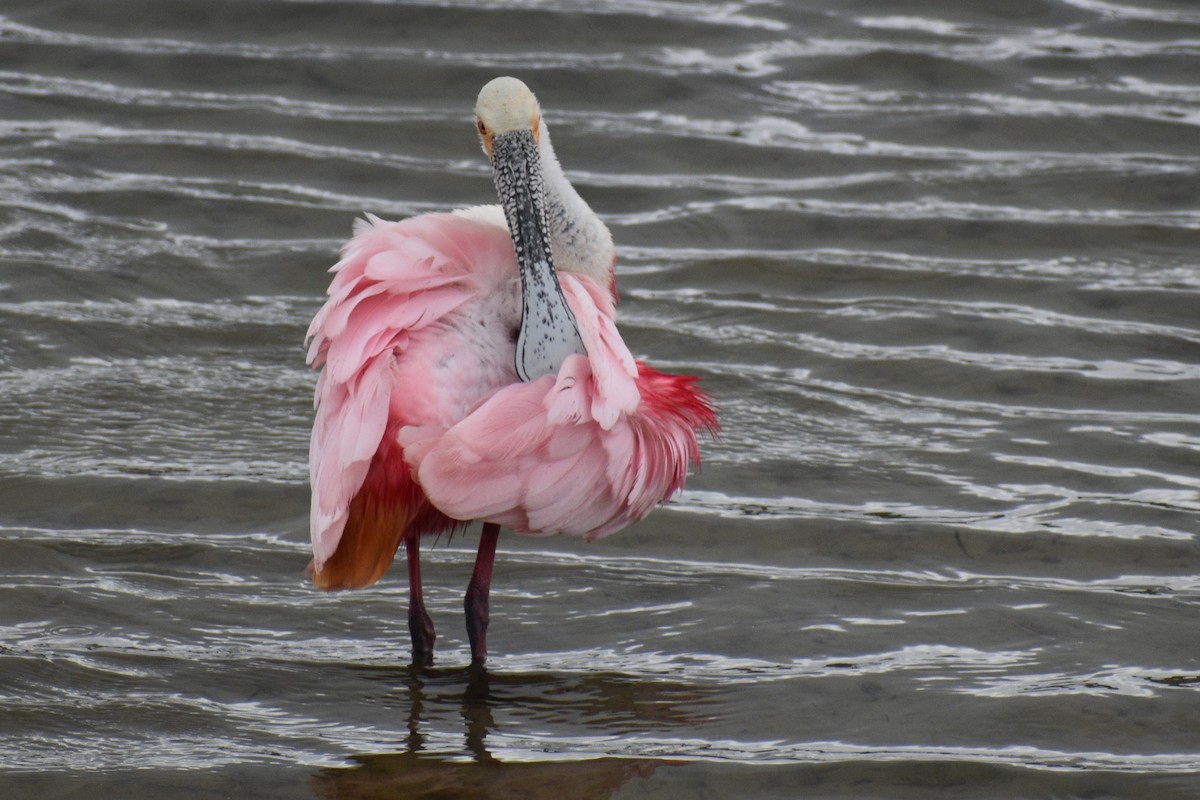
<point x="482" y="128"/>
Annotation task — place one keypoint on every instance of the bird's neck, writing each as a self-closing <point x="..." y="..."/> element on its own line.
<point x="580" y="241"/>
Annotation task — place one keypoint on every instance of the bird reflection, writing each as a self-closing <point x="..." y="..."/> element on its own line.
<point x="609" y="705"/>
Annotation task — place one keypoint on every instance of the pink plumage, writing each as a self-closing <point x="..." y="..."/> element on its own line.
<point x="585" y="452"/>
<point x="422" y="423"/>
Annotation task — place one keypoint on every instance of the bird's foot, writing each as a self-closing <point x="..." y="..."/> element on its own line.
<point x="420" y="627"/>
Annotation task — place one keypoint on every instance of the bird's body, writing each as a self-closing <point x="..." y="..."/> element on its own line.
<point x="472" y="370"/>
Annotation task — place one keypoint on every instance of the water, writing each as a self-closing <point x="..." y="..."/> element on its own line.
<point x="937" y="263"/>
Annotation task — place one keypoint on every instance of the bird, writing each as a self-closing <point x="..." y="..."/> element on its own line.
<point x="470" y="369"/>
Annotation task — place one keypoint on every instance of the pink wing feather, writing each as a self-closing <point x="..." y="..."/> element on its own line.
<point x="421" y="422"/>
<point x="585" y="452"/>
<point x="393" y="280"/>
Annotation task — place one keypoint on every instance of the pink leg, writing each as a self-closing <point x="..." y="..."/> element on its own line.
<point x="476" y="601"/>
<point x="420" y="626"/>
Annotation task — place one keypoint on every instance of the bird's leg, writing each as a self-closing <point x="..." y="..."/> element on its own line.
<point x="420" y="626"/>
<point x="476" y="601"/>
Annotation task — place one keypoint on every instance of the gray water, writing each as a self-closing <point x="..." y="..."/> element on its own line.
<point x="938" y="263"/>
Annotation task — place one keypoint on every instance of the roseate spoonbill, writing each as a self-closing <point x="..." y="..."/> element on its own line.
<point x="471" y="369"/>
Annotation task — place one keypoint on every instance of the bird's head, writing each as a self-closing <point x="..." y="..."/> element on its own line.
<point x="508" y="110"/>
<point x="511" y="129"/>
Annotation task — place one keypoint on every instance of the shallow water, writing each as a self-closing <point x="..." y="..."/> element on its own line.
<point x="936" y="262"/>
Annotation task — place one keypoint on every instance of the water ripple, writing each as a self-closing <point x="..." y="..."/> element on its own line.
<point x="936" y="267"/>
<point x="1046" y="516"/>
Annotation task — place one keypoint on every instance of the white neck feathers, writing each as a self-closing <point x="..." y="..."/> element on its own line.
<point x="580" y="242"/>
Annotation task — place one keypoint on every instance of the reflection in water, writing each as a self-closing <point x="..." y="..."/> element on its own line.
<point x="611" y="704"/>
<point x="404" y="775"/>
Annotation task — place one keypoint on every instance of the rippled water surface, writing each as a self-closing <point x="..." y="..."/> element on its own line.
<point x="939" y="264"/>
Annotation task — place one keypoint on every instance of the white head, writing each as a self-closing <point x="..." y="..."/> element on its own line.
<point x="506" y="105"/>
